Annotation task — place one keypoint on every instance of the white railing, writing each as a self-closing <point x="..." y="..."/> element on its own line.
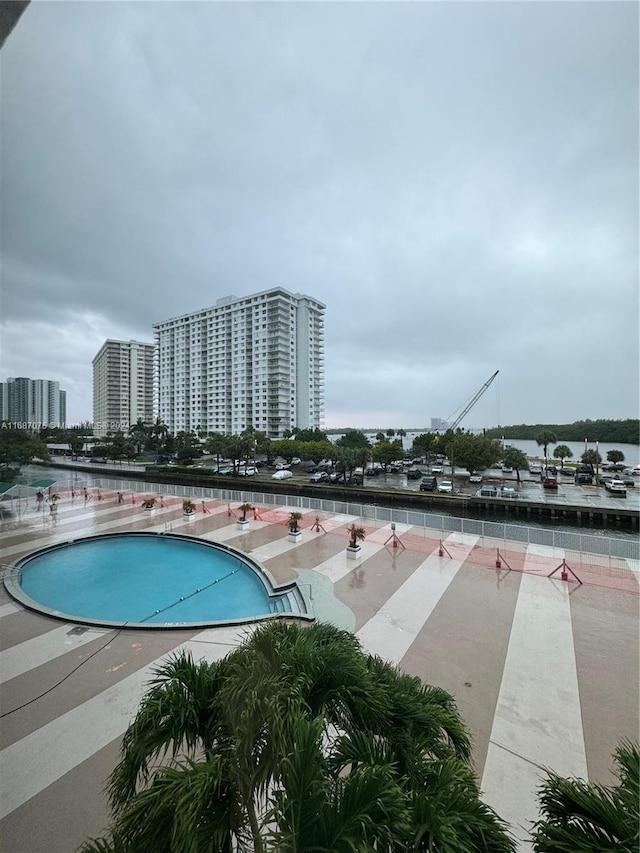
<point x="589" y="543"/>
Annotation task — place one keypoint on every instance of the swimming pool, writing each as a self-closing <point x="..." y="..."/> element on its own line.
<point x="149" y="580"/>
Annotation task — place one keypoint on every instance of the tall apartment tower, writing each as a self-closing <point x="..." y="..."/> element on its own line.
<point x="122" y="385"/>
<point x="33" y="403"/>
<point x="252" y="362"/>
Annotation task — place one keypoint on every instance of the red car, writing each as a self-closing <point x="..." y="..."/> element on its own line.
<point x="550" y="483"/>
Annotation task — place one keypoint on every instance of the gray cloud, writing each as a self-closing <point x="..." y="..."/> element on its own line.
<point x="457" y="182"/>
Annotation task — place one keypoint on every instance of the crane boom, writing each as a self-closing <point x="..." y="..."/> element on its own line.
<point x="473" y="401"/>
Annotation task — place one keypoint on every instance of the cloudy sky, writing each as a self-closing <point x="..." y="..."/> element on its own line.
<point x="457" y="182"/>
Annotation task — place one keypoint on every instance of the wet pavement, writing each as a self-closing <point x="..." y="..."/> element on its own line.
<point x="544" y="670"/>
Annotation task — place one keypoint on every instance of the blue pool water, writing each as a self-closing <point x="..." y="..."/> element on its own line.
<point x="146" y="580"/>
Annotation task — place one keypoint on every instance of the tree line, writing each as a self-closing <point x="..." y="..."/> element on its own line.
<point x="609" y="431"/>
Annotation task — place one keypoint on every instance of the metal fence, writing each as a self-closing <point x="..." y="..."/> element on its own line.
<point x="587" y="543"/>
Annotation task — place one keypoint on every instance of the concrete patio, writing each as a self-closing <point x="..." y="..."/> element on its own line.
<point x="544" y="671"/>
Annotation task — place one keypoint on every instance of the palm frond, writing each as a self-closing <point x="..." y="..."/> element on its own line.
<point x="178" y="713"/>
<point x="584" y="816"/>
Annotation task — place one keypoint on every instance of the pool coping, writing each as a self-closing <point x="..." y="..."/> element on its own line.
<point x="272" y="588"/>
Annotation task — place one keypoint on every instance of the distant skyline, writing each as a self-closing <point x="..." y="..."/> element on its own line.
<point x="457" y="182"/>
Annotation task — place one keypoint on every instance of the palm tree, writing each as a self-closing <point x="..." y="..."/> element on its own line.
<point x="293" y="522"/>
<point x="159" y="431"/>
<point x="139" y="433"/>
<point x="244" y="509"/>
<point x="562" y="452"/>
<point x="356" y="534"/>
<point x="582" y="816"/>
<point x="544" y="438"/>
<point x="295" y="741"/>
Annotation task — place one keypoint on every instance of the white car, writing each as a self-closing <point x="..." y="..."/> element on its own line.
<point x="475" y="478"/>
<point x="284" y="474"/>
<point x="296" y="460"/>
<point x="445" y="486"/>
<point x="616" y="487"/>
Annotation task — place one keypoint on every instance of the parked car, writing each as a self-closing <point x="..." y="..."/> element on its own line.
<point x="616" y="488"/>
<point x="319" y="477"/>
<point x="508" y="492"/>
<point x="355" y="480"/>
<point x="445" y="486"/>
<point x="429" y="484"/>
<point x="414" y="474"/>
<point x="296" y="460"/>
<point x="535" y="468"/>
<point x="487" y="492"/>
<point x="475" y="478"/>
<point x="549" y="483"/>
<point x="249" y="471"/>
<point x="507" y="470"/>
<point x="583" y="477"/>
<point x="282" y="466"/>
<point x="283" y="474"/>
<point x="437" y="469"/>
<point x="627" y="479"/>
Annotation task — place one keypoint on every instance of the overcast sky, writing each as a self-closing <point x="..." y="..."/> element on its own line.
<point x="457" y="182"/>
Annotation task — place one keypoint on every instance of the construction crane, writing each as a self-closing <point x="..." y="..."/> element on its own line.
<point x="473" y="401"/>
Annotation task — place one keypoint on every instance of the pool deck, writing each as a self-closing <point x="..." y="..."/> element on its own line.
<point x="544" y="671"/>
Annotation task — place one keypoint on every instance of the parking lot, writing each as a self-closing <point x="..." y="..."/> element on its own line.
<point x="530" y="486"/>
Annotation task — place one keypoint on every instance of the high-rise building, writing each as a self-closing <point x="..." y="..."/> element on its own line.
<point x="33" y="403"/>
<point x="122" y="385"/>
<point x="255" y="362"/>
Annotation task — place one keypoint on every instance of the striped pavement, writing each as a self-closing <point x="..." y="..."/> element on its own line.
<point x="545" y="673"/>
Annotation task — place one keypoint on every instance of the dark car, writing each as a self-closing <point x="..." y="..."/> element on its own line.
<point x="414" y="474"/>
<point x="429" y="484"/>
<point x="583" y="477"/>
<point x="355" y="480"/>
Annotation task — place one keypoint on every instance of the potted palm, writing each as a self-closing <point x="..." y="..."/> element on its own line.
<point x="188" y="508"/>
<point x="243" y="521"/>
<point x="294" y="527"/>
<point x="148" y="503"/>
<point x="356" y="535"/>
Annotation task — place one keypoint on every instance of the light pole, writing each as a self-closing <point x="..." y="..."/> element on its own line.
<point x="597" y="460"/>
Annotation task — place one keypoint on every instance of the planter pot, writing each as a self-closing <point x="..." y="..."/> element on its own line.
<point x="294" y="537"/>
<point x="243" y="524"/>
<point x="189" y="515"/>
<point x="353" y="553"/>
